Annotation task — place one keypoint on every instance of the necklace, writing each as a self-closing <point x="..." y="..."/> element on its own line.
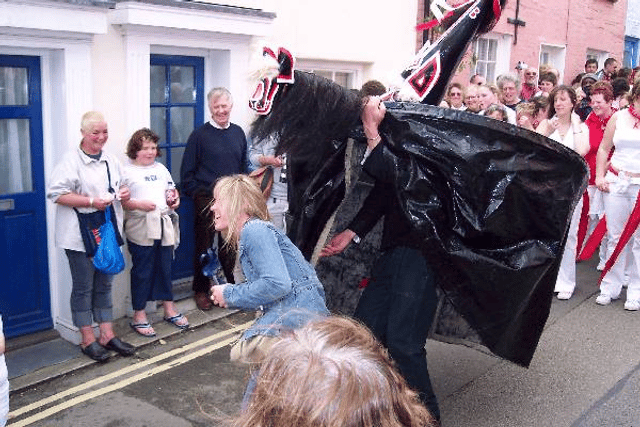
<point x="603" y="121"/>
<point x="635" y="115"/>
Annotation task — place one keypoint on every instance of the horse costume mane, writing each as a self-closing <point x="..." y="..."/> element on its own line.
<point x="490" y="201"/>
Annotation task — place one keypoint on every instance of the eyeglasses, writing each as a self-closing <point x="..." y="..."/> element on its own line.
<point x="530" y="74"/>
<point x="455" y="94"/>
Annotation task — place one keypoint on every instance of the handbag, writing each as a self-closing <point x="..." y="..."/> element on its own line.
<point x="108" y="258"/>
<point x="91" y="222"/>
<point x="263" y="176"/>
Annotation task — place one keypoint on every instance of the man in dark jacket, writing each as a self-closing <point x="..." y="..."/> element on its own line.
<point x="215" y="149"/>
<point x="400" y="300"/>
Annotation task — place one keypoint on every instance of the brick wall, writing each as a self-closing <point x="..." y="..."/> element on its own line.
<point x="578" y="25"/>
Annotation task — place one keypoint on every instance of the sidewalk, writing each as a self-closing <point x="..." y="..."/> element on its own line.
<point x="585" y="373"/>
<point x="38" y="362"/>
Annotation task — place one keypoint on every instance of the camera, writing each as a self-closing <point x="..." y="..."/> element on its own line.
<point x="521" y="65"/>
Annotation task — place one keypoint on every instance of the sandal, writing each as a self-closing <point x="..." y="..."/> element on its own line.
<point x="175" y="321"/>
<point x="142" y="327"/>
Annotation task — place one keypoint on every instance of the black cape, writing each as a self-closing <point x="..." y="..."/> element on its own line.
<point x="492" y="203"/>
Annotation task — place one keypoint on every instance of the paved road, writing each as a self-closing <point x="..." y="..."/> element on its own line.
<point x="586" y="372"/>
<point x="187" y="381"/>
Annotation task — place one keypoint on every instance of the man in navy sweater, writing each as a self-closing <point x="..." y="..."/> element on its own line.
<point x="215" y="149"/>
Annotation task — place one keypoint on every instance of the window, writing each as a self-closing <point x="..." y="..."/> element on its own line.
<point x="598" y="55"/>
<point x="486" y="58"/>
<point x="553" y="56"/>
<point x="491" y="54"/>
<point x="345" y="74"/>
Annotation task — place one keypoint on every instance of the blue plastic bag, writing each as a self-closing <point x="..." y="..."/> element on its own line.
<point x="108" y="258"/>
<point x="211" y="266"/>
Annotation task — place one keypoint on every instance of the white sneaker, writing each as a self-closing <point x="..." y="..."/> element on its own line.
<point x="632" y="305"/>
<point x="564" y="295"/>
<point x="603" y="299"/>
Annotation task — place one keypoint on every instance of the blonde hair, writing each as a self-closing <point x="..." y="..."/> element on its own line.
<point x="242" y="195"/>
<point x="526" y="108"/>
<point x="89" y="119"/>
<point x="331" y="373"/>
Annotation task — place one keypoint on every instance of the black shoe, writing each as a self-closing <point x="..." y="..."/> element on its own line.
<point x="121" y="347"/>
<point x="96" y="352"/>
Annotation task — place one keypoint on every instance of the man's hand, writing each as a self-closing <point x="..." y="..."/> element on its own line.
<point x="338" y="243"/>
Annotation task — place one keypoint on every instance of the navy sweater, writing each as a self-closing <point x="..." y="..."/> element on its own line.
<point x="210" y="154"/>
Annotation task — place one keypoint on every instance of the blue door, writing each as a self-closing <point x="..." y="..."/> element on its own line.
<point x="24" y="282"/>
<point x="177" y="99"/>
<point x="630" y="58"/>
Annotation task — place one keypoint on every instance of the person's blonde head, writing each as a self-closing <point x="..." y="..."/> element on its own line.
<point x="89" y="119"/>
<point x="527" y="108"/>
<point x="242" y="195"/>
<point x="331" y="373"/>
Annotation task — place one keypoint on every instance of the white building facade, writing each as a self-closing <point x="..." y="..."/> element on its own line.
<point x="146" y="63"/>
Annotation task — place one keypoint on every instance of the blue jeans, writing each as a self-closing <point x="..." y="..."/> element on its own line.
<point x="150" y="273"/>
<point x="398" y="306"/>
<point x="90" y="292"/>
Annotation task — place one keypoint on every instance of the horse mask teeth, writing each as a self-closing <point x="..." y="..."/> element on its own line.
<point x="266" y="90"/>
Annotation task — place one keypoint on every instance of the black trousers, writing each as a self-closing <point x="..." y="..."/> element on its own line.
<point x="398" y="306"/>
<point x="204" y="233"/>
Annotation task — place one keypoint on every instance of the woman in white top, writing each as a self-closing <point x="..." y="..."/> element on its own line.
<point x="563" y="126"/>
<point x="152" y="230"/>
<point x="620" y="181"/>
<point x="89" y="179"/>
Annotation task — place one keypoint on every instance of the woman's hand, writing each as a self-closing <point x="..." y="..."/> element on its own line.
<point x="271" y="161"/>
<point x="102" y="204"/>
<point x="217" y="295"/>
<point x="602" y="184"/>
<point x="124" y="193"/>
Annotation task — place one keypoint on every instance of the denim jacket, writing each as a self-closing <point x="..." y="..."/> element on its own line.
<point x="279" y="281"/>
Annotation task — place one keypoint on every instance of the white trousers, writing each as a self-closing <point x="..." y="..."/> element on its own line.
<point x="277" y="209"/>
<point x="596" y="212"/>
<point x="566" y="281"/>
<point x="618" y="204"/>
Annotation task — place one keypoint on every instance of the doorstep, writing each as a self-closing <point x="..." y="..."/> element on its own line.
<point x="32" y="360"/>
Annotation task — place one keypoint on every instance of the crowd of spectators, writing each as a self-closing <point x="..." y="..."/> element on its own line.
<point x="526" y="98"/>
<point x="526" y="92"/>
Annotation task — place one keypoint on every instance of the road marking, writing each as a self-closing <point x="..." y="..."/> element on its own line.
<point x="124" y="371"/>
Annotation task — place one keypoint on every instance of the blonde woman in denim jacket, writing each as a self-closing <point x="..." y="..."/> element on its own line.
<point x="278" y="280"/>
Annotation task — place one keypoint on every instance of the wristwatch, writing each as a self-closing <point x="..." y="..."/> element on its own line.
<point x="356" y="239"/>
